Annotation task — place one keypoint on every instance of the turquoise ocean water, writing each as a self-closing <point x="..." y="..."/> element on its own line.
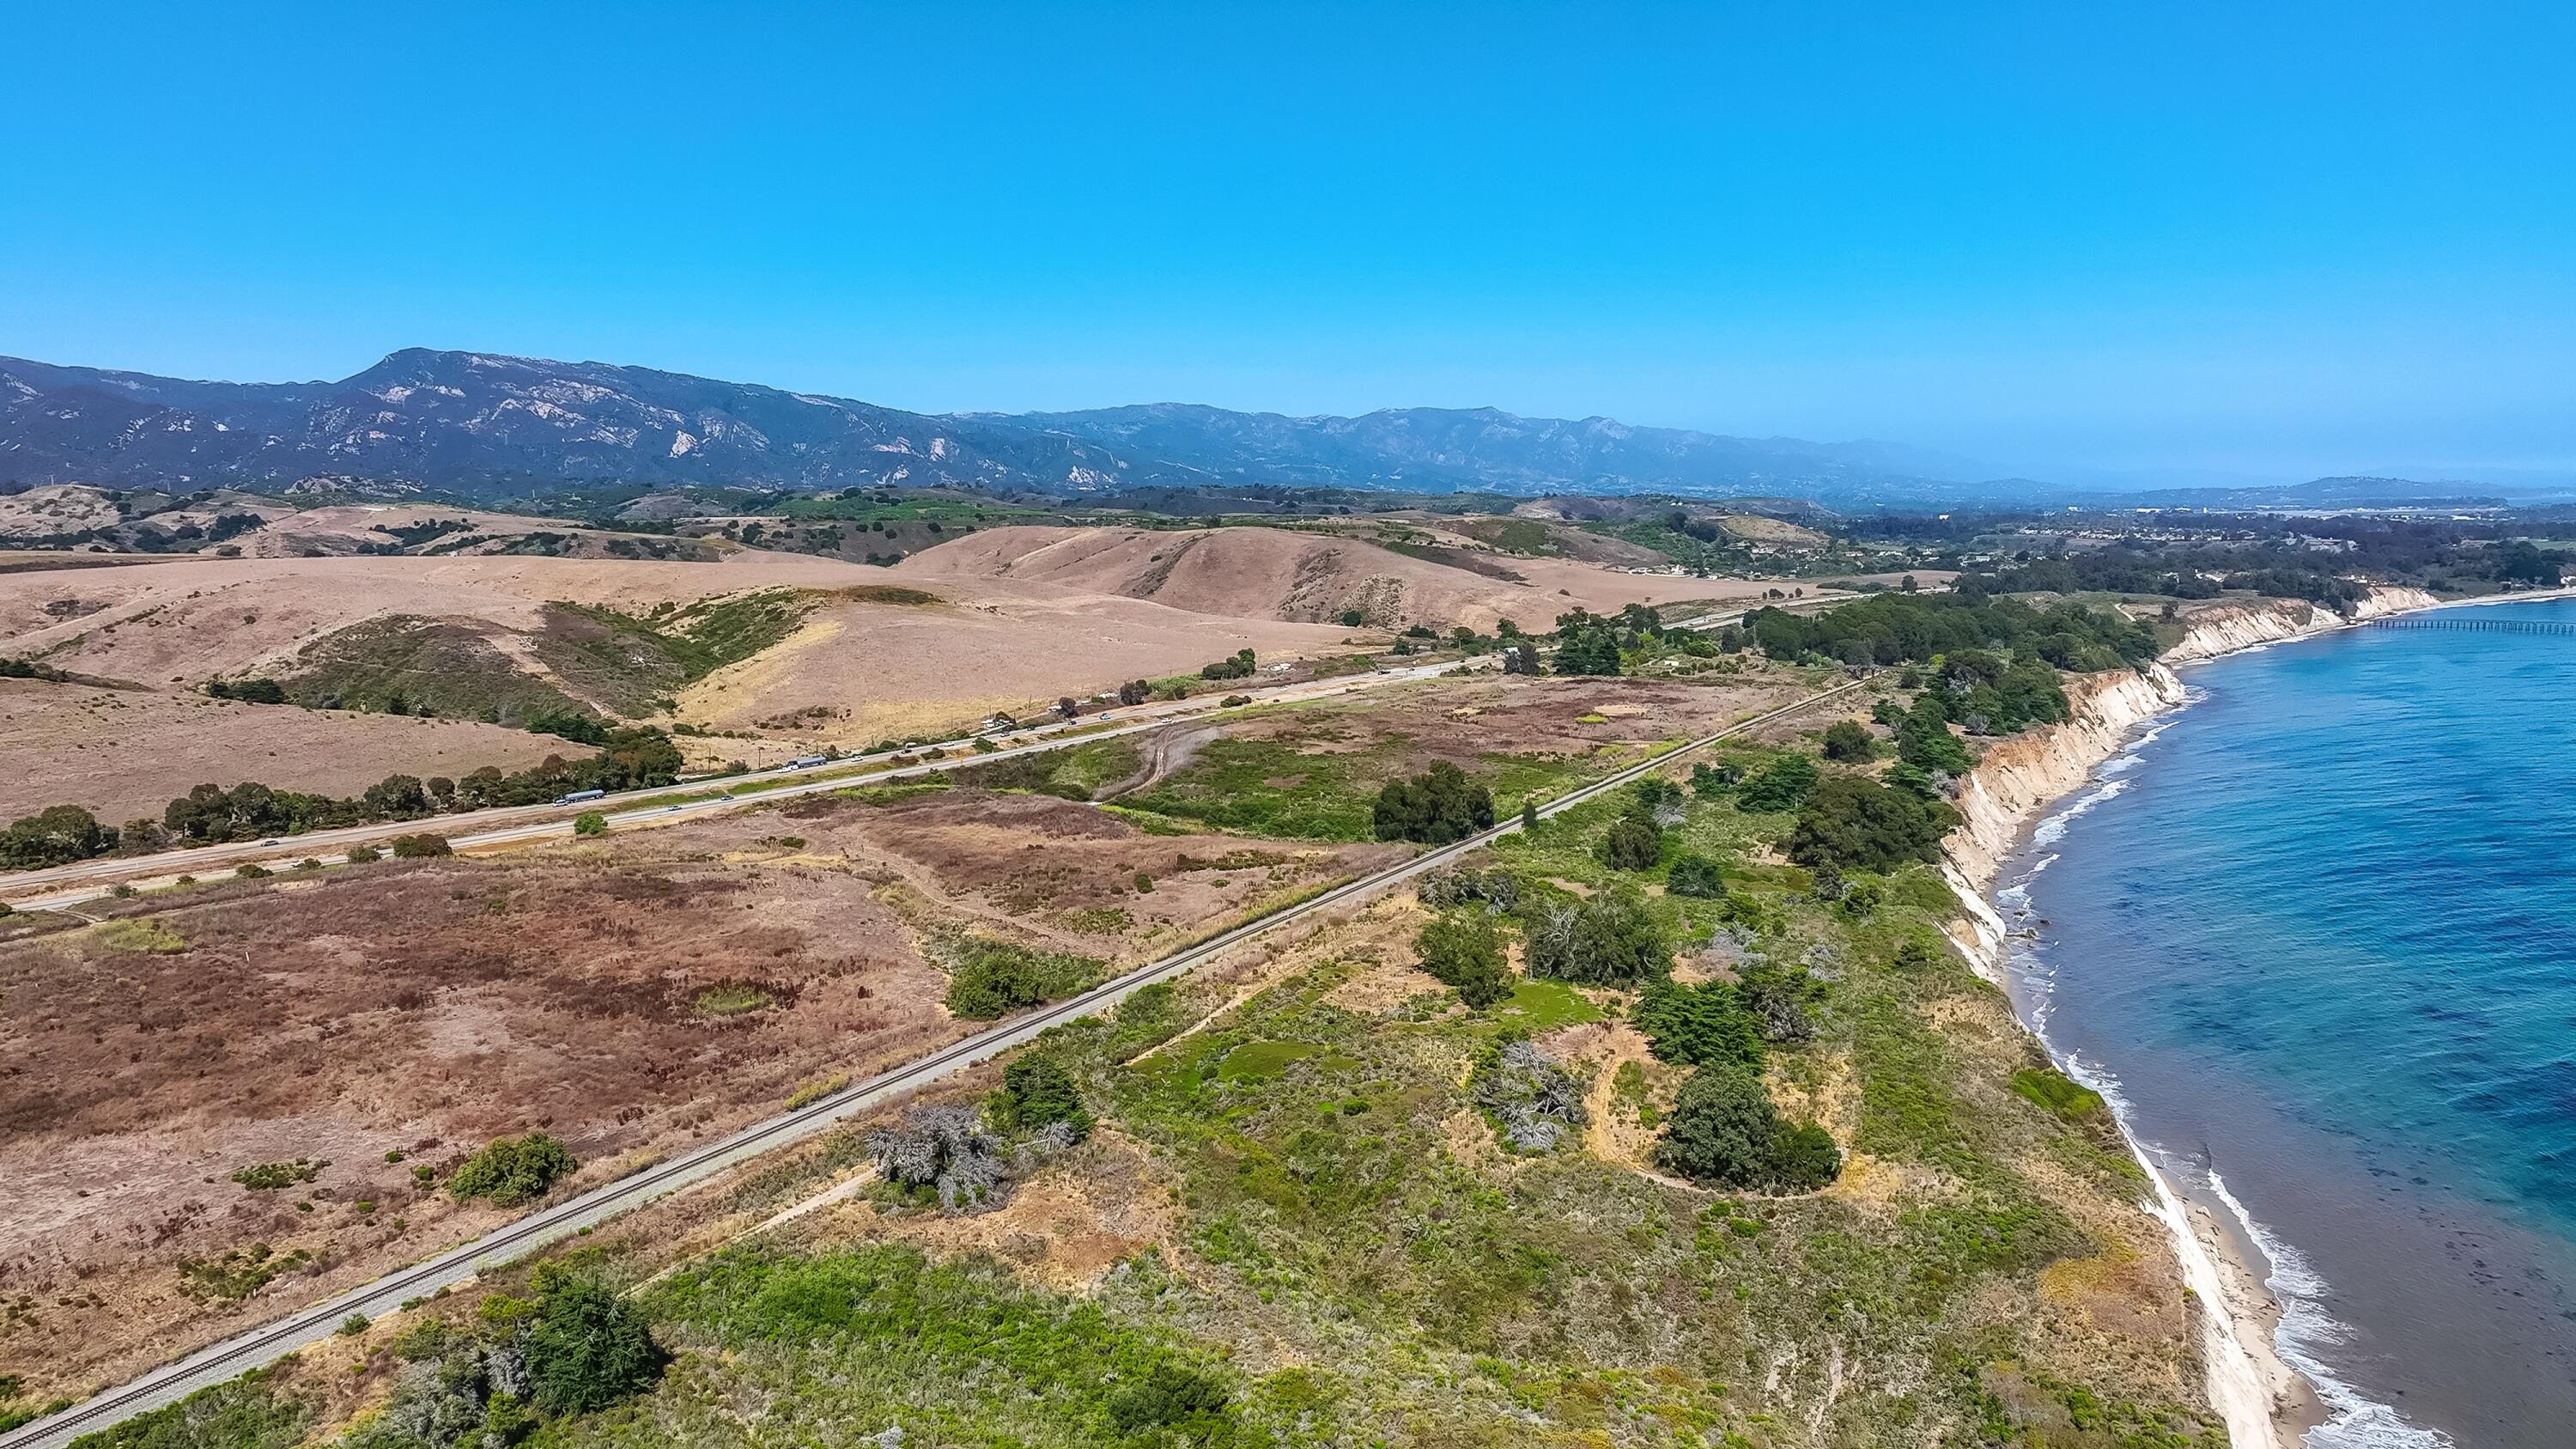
<point x="2317" y="934"/>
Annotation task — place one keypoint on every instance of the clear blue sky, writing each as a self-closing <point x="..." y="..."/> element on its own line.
<point x="2274" y="238"/>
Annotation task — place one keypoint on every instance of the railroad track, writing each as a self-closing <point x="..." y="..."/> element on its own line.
<point x="280" y="1337"/>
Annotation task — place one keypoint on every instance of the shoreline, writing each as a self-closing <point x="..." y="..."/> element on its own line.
<point x="2263" y="1398"/>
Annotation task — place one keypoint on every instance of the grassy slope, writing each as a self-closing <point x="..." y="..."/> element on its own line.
<point x="1361" y="1263"/>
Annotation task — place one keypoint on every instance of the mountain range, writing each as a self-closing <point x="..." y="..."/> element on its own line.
<point x="484" y="426"/>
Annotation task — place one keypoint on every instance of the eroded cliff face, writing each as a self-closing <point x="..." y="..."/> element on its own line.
<point x="2232" y="627"/>
<point x="2262" y="1399"/>
<point x="2016" y="778"/>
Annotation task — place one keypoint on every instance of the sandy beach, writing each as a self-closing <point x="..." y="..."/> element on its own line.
<point x="2263" y="1398"/>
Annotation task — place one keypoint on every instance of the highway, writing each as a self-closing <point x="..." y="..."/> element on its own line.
<point x="90" y="880"/>
<point x="317" y="1322"/>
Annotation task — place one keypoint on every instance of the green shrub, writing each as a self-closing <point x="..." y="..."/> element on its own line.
<point x="989" y="978"/>
<point x="588" y="1348"/>
<point x="1608" y="940"/>
<point x="1632" y="844"/>
<point x="1695" y="875"/>
<point x="1725" y="1132"/>
<point x="1462" y="949"/>
<point x="512" y="1170"/>
<point x="1436" y="807"/>
<point x="1709" y="781"/>
<point x="270" y="1176"/>
<point x="1854" y="823"/>
<point x="420" y="847"/>
<point x="364" y="855"/>
<point x="1037" y="1092"/>
<point x="1183" y="1401"/>
<point x="590" y="822"/>
<point x="1699" y="1025"/>
<point x="1849" y="743"/>
<point x="1784" y="784"/>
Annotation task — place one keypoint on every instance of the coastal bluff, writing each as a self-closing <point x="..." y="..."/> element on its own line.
<point x="2264" y="1401"/>
<point x="2018" y="777"/>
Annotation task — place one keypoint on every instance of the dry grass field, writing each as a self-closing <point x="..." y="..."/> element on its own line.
<point x="629" y="997"/>
<point x="1255" y="573"/>
<point x="124" y="753"/>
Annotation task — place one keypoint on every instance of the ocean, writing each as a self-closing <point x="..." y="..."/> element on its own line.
<point x="2315" y="934"/>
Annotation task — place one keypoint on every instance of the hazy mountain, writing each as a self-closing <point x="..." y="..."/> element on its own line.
<point x="1453" y="449"/>
<point x="481" y="424"/>
<point x="475" y="423"/>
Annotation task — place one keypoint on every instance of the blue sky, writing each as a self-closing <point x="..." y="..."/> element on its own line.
<point x="2273" y="239"/>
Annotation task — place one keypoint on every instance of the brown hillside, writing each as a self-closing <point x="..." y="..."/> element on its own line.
<point x="1255" y="573"/>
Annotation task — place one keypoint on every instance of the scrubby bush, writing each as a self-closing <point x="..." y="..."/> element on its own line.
<point x="988" y="978"/>
<point x="1462" y="949"/>
<point x="1437" y="807"/>
<point x="247" y="691"/>
<point x="1725" y="1132"/>
<point x="943" y="1150"/>
<point x="1632" y="844"/>
<point x="1532" y="1100"/>
<point x="421" y="847"/>
<point x="1608" y="940"/>
<point x="1038" y="1092"/>
<point x="1175" y="1400"/>
<point x="590" y="822"/>
<point x="1695" y="875"/>
<point x="1698" y="1025"/>
<point x="1781" y="1000"/>
<point x="1849" y="743"/>
<point x="513" y="1170"/>
<point x="1854" y="823"/>
<point x="1784" y="784"/>
<point x="1708" y="781"/>
<point x="1496" y="889"/>
<point x="588" y="1348"/>
<point x="364" y="855"/>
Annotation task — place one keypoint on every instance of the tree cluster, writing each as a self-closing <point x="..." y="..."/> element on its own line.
<point x="1726" y="1132"/>
<point x="1235" y="666"/>
<point x="1462" y="949"/>
<point x="1900" y="628"/>
<point x="1606" y="940"/>
<point x="1852" y="822"/>
<point x="1437" y="807"/>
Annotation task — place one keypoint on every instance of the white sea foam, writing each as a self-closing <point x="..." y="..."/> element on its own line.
<point x="2353" y="1421"/>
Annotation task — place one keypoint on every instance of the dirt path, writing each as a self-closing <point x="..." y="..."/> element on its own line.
<point x="1161" y="753"/>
